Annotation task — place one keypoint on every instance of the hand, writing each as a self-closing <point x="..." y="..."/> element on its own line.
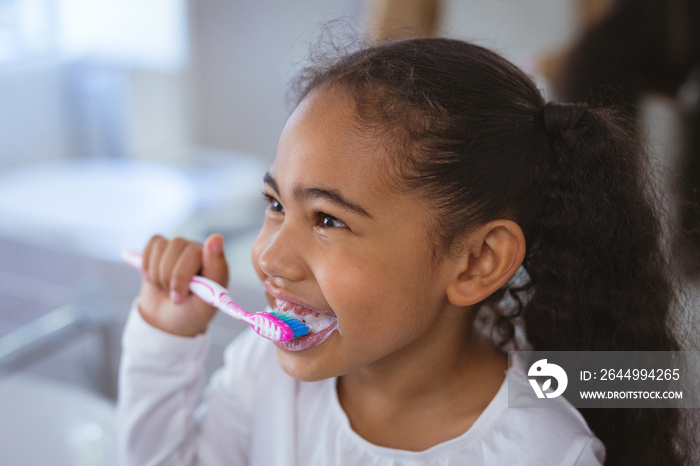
<point x="165" y="301"/>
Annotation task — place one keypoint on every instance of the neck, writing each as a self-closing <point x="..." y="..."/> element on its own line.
<point x="425" y="394"/>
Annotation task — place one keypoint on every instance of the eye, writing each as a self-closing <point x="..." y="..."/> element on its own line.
<point x="328" y="221"/>
<point x="275" y="205"/>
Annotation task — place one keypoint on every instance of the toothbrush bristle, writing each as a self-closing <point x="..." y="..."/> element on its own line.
<point x="298" y="327"/>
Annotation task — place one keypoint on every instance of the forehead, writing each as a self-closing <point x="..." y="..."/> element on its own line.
<point x="324" y="143"/>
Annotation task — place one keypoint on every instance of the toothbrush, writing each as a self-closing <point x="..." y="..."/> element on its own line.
<point x="271" y="325"/>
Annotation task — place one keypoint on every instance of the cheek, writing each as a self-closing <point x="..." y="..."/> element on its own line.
<point x="385" y="288"/>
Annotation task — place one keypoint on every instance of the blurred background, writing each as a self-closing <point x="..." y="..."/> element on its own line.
<point x="120" y="119"/>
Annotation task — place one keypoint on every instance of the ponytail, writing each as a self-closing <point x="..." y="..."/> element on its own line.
<point x="595" y="260"/>
<point x="599" y="275"/>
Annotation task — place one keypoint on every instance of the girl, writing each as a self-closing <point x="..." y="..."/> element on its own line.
<point x="411" y="182"/>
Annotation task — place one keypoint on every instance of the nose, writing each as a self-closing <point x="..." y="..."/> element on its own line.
<point x="281" y="255"/>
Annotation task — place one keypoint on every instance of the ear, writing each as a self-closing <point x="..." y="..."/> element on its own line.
<point x="490" y="258"/>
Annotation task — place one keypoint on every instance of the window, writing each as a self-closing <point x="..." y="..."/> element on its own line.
<point x="151" y="34"/>
<point x="27" y="30"/>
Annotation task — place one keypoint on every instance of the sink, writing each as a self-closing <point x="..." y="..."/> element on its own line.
<point x="49" y="423"/>
<point x="93" y="206"/>
<point x="97" y="207"/>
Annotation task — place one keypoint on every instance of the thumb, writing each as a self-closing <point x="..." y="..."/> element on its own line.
<point x="214" y="264"/>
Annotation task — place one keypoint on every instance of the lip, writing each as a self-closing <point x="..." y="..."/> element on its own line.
<point x="307" y="342"/>
<point x="311" y="340"/>
<point x="282" y="295"/>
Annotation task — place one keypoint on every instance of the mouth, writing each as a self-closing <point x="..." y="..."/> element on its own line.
<point x="315" y="320"/>
<point x="320" y="324"/>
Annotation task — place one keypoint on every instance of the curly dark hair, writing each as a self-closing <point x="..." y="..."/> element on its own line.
<point x="471" y="135"/>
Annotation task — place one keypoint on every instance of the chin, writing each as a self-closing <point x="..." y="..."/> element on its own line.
<point x="303" y="369"/>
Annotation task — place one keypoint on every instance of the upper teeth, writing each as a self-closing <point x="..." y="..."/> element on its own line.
<point x="315" y="322"/>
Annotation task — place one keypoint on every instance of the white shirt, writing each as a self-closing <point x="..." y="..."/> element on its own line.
<point x="254" y="414"/>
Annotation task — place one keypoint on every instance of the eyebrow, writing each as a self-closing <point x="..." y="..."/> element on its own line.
<point x="331" y="195"/>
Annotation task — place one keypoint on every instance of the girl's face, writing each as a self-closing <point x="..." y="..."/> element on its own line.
<point x="338" y="240"/>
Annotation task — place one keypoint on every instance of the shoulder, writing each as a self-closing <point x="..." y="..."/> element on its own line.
<point x="556" y="435"/>
<point x="547" y="436"/>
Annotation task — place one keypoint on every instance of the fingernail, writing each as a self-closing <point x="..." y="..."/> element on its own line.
<point x="175" y="297"/>
<point x="217" y="246"/>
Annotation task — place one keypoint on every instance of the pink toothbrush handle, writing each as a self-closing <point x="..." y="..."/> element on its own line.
<point x="266" y="325"/>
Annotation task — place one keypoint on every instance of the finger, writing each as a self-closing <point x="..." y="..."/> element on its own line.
<point x="186" y="267"/>
<point x="214" y="264"/>
<point x="151" y="258"/>
<point x="168" y="259"/>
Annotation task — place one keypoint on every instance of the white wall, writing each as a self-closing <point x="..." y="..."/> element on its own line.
<point x="242" y="54"/>
<point x="517" y="29"/>
<point x="33" y="106"/>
